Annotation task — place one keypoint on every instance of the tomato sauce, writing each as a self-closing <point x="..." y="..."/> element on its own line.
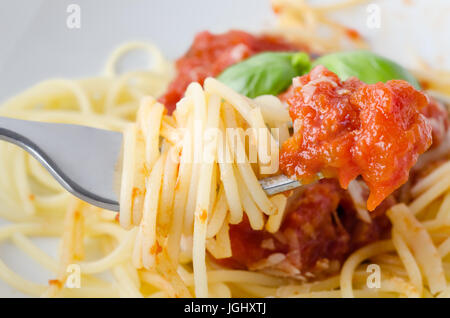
<point x="346" y="129"/>
<point x="210" y="54"/>
<point x="353" y="34"/>
<point x="438" y="117"/>
<point x="320" y="230"/>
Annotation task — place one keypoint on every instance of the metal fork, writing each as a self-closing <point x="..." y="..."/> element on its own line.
<point x="86" y="161"/>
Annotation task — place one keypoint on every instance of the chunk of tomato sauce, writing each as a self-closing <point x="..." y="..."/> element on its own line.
<point x="210" y="54"/>
<point x="435" y="112"/>
<point x="320" y="230"/>
<point x="438" y="117"/>
<point x="344" y="129"/>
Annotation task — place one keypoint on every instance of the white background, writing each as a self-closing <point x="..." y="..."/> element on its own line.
<point x="36" y="44"/>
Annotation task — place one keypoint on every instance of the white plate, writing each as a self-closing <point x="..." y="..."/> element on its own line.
<point x="37" y="44"/>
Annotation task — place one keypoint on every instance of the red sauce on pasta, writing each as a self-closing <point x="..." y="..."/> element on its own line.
<point x="346" y="129"/>
<point x="319" y="231"/>
<point x="438" y="117"/>
<point x="210" y="54"/>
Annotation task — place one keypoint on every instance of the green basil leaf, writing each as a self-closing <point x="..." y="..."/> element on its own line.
<point x="367" y="66"/>
<point x="268" y="73"/>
